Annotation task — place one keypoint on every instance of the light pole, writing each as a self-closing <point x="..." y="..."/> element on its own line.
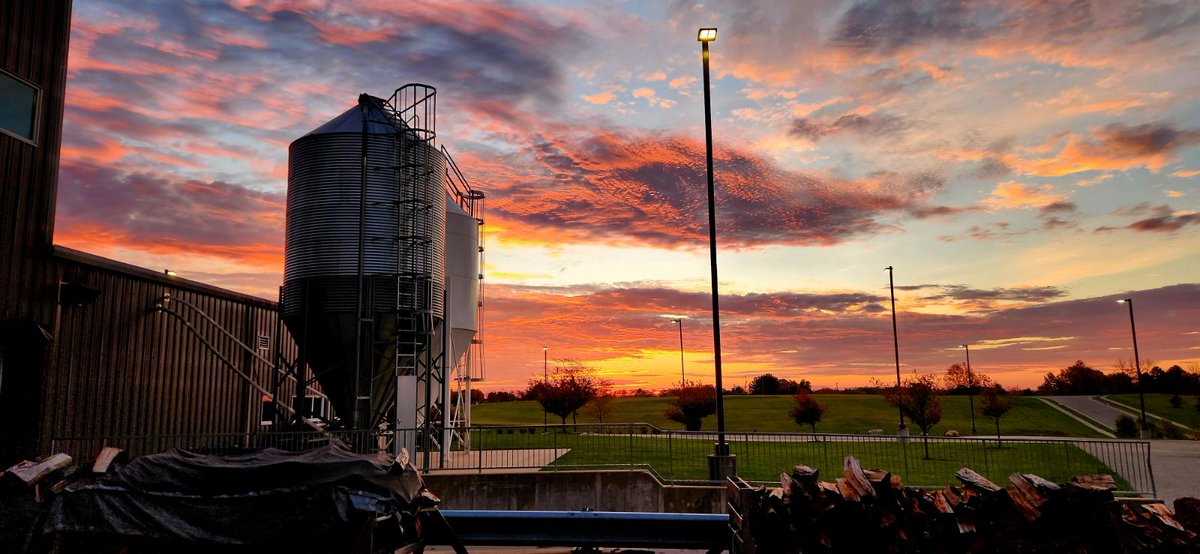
<point x="682" y="378"/>
<point x="717" y="464"/>
<point x="1137" y="363"/>
<point x="970" y="388"/>
<point x="545" y="379"/>
<point x="896" y="344"/>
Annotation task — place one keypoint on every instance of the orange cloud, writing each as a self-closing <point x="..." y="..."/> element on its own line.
<point x="1012" y="195"/>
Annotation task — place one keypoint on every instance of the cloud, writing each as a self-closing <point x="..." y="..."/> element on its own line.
<point x="1061" y="206"/>
<point x="102" y="208"/>
<point x="599" y="98"/>
<point x="682" y="82"/>
<point x="643" y="93"/>
<point x="655" y="76"/>
<point x="1015" y="294"/>
<point x="1162" y="219"/>
<point x="1012" y="195"/>
<point x="871" y="125"/>
<point x="1117" y="147"/>
<point x="622" y="186"/>
<point x="1184" y="174"/>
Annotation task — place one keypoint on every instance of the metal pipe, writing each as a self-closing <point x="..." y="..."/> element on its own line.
<point x="1137" y="364"/>
<point x="682" y="376"/>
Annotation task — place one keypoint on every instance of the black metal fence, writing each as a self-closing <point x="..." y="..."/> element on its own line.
<point x="681" y="456"/>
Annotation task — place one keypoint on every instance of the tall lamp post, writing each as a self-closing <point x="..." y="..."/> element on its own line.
<point x="721" y="463"/>
<point x="1137" y="363"/>
<point x="902" y="430"/>
<point x="970" y="388"/>
<point x="682" y="377"/>
<point x="545" y="378"/>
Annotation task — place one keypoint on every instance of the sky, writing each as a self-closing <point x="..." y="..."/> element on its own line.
<point x="1021" y="165"/>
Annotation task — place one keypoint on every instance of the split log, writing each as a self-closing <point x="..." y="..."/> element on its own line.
<point x="1095" y="483"/>
<point x="976" y="481"/>
<point x="107" y="458"/>
<point x="855" y="477"/>
<point x="847" y="490"/>
<point x="941" y="501"/>
<point x="1026" y="496"/>
<point x="32" y="472"/>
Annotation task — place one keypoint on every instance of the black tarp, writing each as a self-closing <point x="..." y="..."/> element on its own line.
<point x="321" y="500"/>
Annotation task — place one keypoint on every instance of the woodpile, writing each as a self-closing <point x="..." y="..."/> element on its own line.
<point x="866" y="510"/>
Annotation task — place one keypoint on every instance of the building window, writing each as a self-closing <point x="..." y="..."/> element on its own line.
<point x="18" y="107"/>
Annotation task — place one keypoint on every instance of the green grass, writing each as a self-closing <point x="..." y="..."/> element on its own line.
<point x="845" y="413"/>
<point x="677" y="458"/>
<point x="1160" y="405"/>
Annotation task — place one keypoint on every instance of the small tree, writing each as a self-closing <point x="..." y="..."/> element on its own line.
<point x="570" y="385"/>
<point x="807" y="410"/>
<point x="995" y="404"/>
<point x="600" y="406"/>
<point x="1176" y="400"/>
<point x="692" y="402"/>
<point x="918" y="400"/>
<point x="764" y="384"/>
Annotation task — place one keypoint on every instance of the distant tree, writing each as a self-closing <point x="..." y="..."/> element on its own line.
<point x="957" y="381"/>
<point x="919" y="401"/>
<point x="737" y="391"/>
<point x="600" y="406"/>
<point x="1176" y="400"/>
<point x="807" y="410"/>
<point x="501" y="396"/>
<point x="1076" y="379"/>
<point x="692" y="402"/>
<point x="788" y="386"/>
<point x="770" y="384"/>
<point x="477" y="397"/>
<point x="993" y="406"/>
<point x="764" y="384"/>
<point x="570" y="385"/>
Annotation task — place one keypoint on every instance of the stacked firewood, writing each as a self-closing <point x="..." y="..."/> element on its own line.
<point x="868" y="510"/>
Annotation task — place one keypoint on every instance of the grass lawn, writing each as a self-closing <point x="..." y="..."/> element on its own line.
<point x="1160" y="405"/>
<point x="845" y="413"/>
<point x="675" y="457"/>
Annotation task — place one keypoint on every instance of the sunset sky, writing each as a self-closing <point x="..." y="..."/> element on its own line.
<point x="1021" y="164"/>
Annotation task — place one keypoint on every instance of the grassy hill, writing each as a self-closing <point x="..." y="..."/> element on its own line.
<point x="1160" y="405"/>
<point x="845" y="413"/>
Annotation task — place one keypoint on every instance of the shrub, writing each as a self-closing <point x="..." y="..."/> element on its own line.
<point x="1176" y="400"/>
<point x="1127" y="427"/>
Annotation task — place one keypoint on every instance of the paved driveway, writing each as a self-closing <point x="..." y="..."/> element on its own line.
<point x="1095" y="410"/>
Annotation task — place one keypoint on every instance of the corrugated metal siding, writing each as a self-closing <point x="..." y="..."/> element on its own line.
<point x="33" y="46"/>
<point x="121" y="368"/>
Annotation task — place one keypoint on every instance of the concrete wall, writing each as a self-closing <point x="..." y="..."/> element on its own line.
<point x="615" y="491"/>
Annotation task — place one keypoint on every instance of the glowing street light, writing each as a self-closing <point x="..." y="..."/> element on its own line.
<point x="721" y="456"/>
<point x="970" y="388"/>
<point x="1137" y="363"/>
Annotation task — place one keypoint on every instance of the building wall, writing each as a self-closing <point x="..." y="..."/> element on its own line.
<point x="122" y="367"/>
<point x="33" y="47"/>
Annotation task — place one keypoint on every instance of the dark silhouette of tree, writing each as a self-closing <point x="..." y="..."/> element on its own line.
<point x="956" y="380"/>
<point x="770" y="384"/>
<point x="501" y="396"/>
<point x="1076" y="379"/>
<point x="570" y="385"/>
<point x="919" y="402"/>
<point x="692" y="402"/>
<point x="994" y="405"/>
<point x="807" y="410"/>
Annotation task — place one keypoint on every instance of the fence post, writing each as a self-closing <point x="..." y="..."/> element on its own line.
<point x="1150" y="471"/>
<point x="479" y="450"/>
<point x="670" y="455"/>
<point x="987" y="468"/>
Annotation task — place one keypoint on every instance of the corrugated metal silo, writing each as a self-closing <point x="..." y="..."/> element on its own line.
<point x="403" y="249"/>
<point x="462" y="277"/>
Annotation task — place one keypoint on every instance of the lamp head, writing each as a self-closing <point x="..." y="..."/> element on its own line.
<point x="1124" y="300"/>
<point x="169" y="273"/>
<point x="888" y="268"/>
<point x="707" y="35"/>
